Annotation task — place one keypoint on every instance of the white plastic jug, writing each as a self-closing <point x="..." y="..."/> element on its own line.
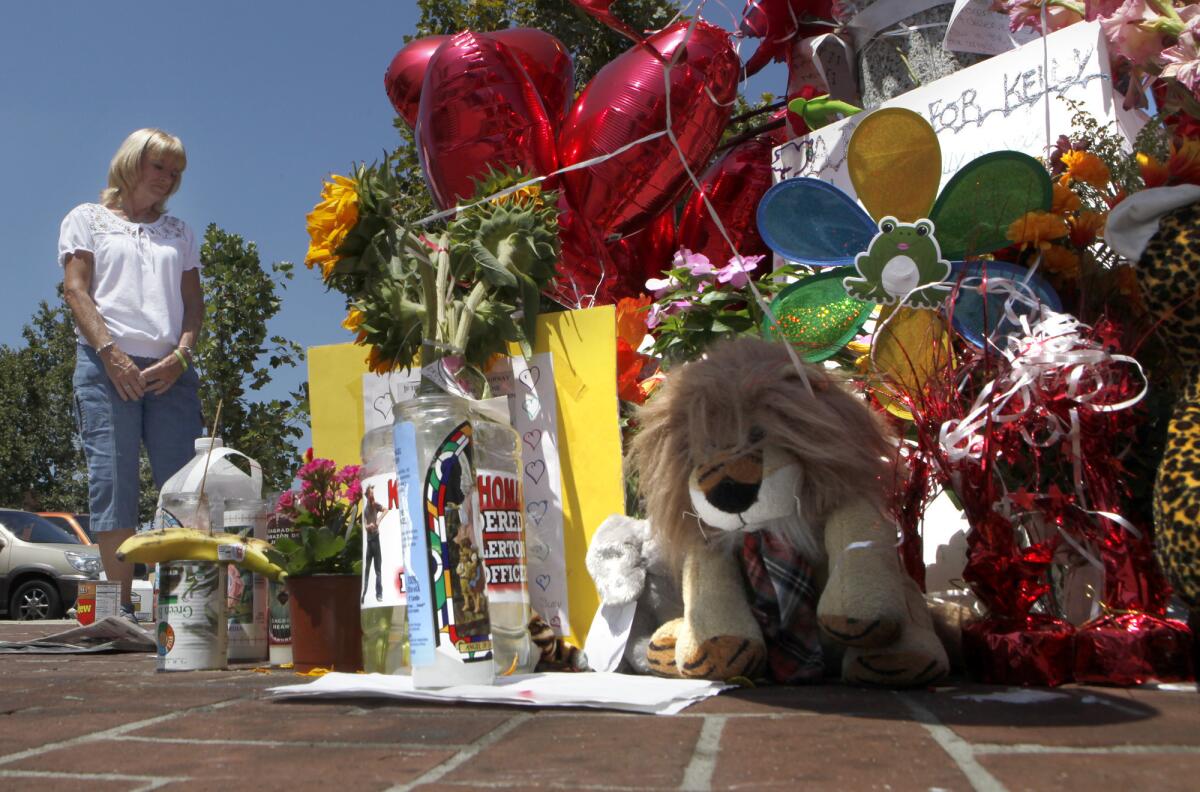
<point x="223" y="480"/>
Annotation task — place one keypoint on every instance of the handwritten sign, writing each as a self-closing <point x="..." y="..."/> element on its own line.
<point x="975" y="27"/>
<point x="996" y="105"/>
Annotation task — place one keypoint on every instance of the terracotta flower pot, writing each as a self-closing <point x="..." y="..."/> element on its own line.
<point x="326" y="631"/>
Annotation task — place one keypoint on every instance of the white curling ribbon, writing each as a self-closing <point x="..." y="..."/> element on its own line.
<point x="1049" y="351"/>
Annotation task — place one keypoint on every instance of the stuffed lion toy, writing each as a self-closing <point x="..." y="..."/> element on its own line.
<point x="763" y="483"/>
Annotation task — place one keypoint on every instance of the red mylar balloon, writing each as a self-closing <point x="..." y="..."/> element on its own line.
<point x="777" y="23"/>
<point x="406" y="73"/>
<point x="626" y="101"/>
<point x="548" y="65"/>
<point x="734" y="185"/>
<point x="478" y="110"/>
<point x="643" y="255"/>
<point x="586" y="271"/>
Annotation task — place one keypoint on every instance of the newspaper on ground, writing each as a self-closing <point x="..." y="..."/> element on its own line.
<point x="111" y="634"/>
<point x="599" y="690"/>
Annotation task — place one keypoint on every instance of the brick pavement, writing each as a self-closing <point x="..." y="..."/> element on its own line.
<point x="109" y="722"/>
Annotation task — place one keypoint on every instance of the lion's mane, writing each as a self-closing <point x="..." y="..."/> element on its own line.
<point x="709" y="407"/>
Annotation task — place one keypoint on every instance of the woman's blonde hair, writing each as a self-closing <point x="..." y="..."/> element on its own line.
<point x="126" y="165"/>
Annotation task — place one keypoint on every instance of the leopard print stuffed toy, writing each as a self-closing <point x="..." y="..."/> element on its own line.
<point x="1169" y="277"/>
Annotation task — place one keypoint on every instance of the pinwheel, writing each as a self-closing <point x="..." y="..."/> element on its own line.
<point x="907" y="248"/>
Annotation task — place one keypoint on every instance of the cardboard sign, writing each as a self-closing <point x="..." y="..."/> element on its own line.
<point x="1010" y="101"/>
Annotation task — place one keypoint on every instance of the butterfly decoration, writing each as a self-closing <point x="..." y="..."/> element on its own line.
<point x="908" y="244"/>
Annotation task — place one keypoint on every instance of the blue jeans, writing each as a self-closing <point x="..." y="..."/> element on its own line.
<point x="113" y="431"/>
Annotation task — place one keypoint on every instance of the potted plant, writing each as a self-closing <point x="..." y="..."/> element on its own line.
<point x="323" y="561"/>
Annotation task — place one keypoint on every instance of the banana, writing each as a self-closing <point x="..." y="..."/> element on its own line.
<point x="189" y="544"/>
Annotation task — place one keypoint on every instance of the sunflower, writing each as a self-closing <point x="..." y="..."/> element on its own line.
<point x="329" y="222"/>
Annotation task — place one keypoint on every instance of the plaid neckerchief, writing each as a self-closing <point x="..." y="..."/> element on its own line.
<point x="783" y="599"/>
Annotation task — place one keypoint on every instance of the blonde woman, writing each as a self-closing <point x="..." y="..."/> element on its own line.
<point x="132" y="280"/>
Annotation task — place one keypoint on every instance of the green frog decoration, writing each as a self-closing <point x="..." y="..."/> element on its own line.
<point x="903" y="263"/>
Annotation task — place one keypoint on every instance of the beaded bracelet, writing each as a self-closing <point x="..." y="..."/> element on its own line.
<point x="182" y="360"/>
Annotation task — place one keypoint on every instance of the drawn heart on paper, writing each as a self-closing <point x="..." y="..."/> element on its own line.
<point x="540" y="551"/>
<point x="537" y="510"/>
<point x="530" y="377"/>
<point x="383" y="405"/>
<point x="536" y="470"/>
<point x="532" y="438"/>
<point x="533" y="407"/>
<point x="556" y="622"/>
<point x="543" y="581"/>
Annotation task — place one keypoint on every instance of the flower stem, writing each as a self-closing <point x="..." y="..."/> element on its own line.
<point x="477" y="295"/>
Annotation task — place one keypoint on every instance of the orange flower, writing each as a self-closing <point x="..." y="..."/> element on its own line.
<point x="1037" y="228"/>
<point x="1065" y="200"/>
<point x="1086" y="167"/>
<point x="1184" y="163"/>
<point x="630" y="364"/>
<point x="1060" y="261"/>
<point x="631" y="319"/>
<point x="1086" y="226"/>
<point x="1154" y="173"/>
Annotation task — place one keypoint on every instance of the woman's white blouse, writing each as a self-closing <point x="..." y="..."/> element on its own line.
<point x="137" y="277"/>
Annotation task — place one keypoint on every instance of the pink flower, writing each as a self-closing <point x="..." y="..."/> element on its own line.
<point x="1183" y="60"/>
<point x="1028" y="13"/>
<point x="353" y="491"/>
<point x="654" y="316"/>
<point x="660" y="286"/>
<point x="737" y="272"/>
<point x="286" y="504"/>
<point x="1135" y="31"/>
<point x="696" y="263"/>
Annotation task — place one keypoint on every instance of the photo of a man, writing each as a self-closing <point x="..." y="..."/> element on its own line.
<point x="372" y="512"/>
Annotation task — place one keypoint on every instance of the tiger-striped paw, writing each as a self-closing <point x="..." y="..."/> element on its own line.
<point x="724" y="657"/>
<point x="660" y="652"/>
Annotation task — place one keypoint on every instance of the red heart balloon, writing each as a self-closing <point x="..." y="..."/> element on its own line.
<point x="586" y="270"/>
<point x="644" y="255"/>
<point x="478" y="109"/>
<point x="406" y="73"/>
<point x="548" y="64"/>
<point x="734" y="185"/>
<point x="626" y="101"/>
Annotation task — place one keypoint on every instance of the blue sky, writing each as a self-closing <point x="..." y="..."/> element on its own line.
<point x="268" y="96"/>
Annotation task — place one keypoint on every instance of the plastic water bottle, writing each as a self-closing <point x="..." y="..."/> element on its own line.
<point x="212" y="467"/>
<point x="500" y="520"/>
<point x="384" y="618"/>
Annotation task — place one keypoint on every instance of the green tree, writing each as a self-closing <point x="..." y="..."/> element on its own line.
<point x="237" y="358"/>
<point x="41" y="465"/>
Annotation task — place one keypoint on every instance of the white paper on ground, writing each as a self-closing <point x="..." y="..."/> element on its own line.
<point x="626" y="692"/>
<point x="1015" y="696"/>
<point x="608" y="635"/>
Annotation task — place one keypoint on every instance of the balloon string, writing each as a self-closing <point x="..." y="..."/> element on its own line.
<point x="712" y="212"/>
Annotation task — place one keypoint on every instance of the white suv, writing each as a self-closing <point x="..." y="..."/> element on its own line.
<point x="41" y="566"/>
